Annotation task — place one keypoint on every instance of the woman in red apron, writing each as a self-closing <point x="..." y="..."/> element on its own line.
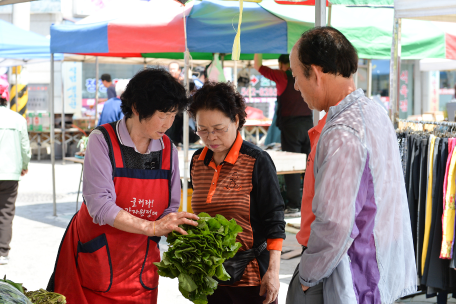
<point x="131" y="192"/>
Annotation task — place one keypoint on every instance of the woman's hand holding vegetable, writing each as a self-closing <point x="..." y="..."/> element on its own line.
<point x="126" y="222"/>
<point x="171" y="222"/>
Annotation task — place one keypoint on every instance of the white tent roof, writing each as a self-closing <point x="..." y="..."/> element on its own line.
<point x="437" y="64"/>
<point x="435" y="10"/>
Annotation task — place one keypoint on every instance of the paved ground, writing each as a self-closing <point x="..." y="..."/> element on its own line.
<point x="37" y="233"/>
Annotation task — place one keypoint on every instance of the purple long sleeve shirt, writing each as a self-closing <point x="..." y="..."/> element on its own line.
<point x="98" y="186"/>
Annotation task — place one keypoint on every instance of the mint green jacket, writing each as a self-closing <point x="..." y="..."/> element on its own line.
<point x="14" y="145"/>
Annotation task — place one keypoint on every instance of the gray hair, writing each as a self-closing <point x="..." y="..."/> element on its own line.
<point x="121" y="85"/>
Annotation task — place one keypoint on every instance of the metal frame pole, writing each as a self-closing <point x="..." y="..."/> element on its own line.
<point x="369" y="78"/>
<point x="51" y="140"/>
<point x="185" y="114"/>
<point x="235" y="74"/>
<point x="395" y="70"/>
<point x="63" y="116"/>
<point x="17" y="97"/>
<point x="96" y="92"/>
<point x="320" y="20"/>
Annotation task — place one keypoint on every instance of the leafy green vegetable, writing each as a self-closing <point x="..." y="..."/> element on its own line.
<point x="197" y="257"/>
<point x="18" y="286"/>
<point x="9" y="294"/>
<point x="45" y="297"/>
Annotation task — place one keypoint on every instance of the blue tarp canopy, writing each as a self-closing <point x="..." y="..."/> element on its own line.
<point x="18" y="45"/>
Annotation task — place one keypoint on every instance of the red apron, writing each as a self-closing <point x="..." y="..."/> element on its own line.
<point x="101" y="264"/>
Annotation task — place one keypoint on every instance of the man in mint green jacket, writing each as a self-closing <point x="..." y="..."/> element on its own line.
<point x="14" y="158"/>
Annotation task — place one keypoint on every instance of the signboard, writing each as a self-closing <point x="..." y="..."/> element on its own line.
<point x="406" y="91"/>
<point x="434" y="90"/>
<point x="263" y="94"/>
<point x="84" y="8"/>
<point x="38" y="97"/>
<point x="91" y="85"/>
<point x="72" y="88"/>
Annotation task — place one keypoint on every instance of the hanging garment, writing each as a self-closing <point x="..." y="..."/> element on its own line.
<point x="409" y="154"/>
<point x="414" y="182"/>
<point x="448" y="203"/>
<point x="428" y="216"/>
<point x="102" y="264"/>
<point x="424" y="147"/>
<point x="436" y="273"/>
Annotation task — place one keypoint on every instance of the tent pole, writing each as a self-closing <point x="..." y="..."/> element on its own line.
<point x="369" y="78"/>
<point x="51" y="141"/>
<point x="355" y="76"/>
<point x="329" y="13"/>
<point x="235" y="75"/>
<point x="185" y="114"/>
<point x="320" y="20"/>
<point x="17" y="97"/>
<point x="96" y="92"/>
<point x="63" y="116"/>
<point x="395" y="70"/>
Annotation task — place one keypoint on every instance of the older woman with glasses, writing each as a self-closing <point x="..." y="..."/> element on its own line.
<point x="238" y="180"/>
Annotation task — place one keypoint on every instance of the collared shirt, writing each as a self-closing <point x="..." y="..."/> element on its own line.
<point x="98" y="187"/>
<point x="307" y="216"/>
<point x="244" y="187"/>
<point x="14" y="145"/>
<point x="111" y="111"/>
<point x="360" y="242"/>
<point x="111" y="91"/>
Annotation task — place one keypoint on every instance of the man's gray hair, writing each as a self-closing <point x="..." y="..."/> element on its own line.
<point x="121" y="85"/>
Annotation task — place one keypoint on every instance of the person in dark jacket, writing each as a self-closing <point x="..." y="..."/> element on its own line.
<point x="238" y="180"/>
<point x="294" y="119"/>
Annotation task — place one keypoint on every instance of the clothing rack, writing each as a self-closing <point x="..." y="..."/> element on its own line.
<point x="422" y="122"/>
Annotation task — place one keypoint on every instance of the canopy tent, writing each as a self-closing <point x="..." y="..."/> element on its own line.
<point x="267" y="27"/>
<point x="18" y="46"/>
<point x="436" y="10"/>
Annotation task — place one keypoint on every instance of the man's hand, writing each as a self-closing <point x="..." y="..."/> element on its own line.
<point x="304" y="288"/>
<point x="270" y="282"/>
<point x="257" y="61"/>
<point x="24" y="172"/>
<point x="270" y="285"/>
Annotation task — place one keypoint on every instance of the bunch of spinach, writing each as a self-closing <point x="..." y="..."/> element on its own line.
<point x="197" y="257"/>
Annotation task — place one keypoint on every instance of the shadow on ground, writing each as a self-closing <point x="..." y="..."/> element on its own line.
<point x="43" y="212"/>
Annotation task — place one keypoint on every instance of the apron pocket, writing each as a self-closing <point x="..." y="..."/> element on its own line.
<point x="149" y="276"/>
<point x="94" y="264"/>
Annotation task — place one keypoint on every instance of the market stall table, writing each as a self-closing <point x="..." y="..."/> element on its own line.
<point x="252" y="129"/>
<point x="42" y="138"/>
<point x="285" y="162"/>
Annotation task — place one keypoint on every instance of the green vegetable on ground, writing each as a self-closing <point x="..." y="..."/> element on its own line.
<point x="45" y="297"/>
<point x="197" y="257"/>
<point x="18" y="286"/>
<point x="10" y="294"/>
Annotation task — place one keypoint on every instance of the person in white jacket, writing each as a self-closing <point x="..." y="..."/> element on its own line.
<point x="360" y="247"/>
<point x="14" y="159"/>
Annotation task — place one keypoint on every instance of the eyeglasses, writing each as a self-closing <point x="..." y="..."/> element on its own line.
<point x="217" y="132"/>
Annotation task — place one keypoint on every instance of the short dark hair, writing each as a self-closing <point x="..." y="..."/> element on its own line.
<point x="106" y="77"/>
<point x="152" y="90"/>
<point x="284" y="58"/>
<point x="329" y="49"/>
<point x="219" y="96"/>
